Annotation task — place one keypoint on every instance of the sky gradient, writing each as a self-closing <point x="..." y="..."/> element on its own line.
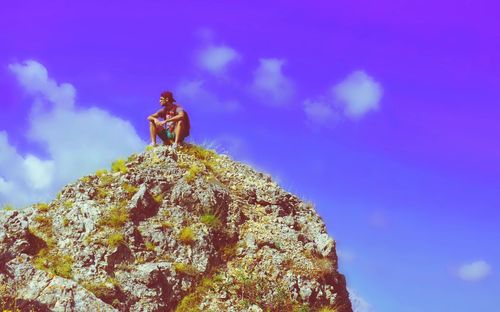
<point x="385" y="115"/>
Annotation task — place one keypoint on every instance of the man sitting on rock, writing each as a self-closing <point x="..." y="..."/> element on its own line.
<point x="175" y="124"/>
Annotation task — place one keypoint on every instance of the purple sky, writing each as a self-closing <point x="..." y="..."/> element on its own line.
<point x="385" y="114"/>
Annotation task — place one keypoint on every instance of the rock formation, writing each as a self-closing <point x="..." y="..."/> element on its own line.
<point x="166" y="230"/>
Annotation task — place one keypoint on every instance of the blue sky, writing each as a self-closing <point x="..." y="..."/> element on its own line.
<point x="385" y="116"/>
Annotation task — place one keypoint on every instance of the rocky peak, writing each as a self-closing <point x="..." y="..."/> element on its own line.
<point x="170" y="230"/>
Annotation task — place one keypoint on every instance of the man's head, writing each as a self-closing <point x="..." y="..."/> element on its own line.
<point x="166" y="98"/>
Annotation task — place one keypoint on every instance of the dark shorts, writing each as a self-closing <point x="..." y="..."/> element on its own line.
<point x="167" y="134"/>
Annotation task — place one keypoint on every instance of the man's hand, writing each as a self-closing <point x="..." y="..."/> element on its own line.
<point x="153" y="119"/>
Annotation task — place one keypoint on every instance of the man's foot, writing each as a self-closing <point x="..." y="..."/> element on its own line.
<point x="152" y="144"/>
<point x="174" y="146"/>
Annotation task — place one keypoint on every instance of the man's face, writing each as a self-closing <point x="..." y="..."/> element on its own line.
<point x="164" y="101"/>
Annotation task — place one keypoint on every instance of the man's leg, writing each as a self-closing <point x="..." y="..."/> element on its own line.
<point x="162" y="133"/>
<point x="157" y="131"/>
<point x="152" y="132"/>
<point x="179" y="131"/>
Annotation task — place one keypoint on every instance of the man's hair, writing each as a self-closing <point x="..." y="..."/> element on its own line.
<point x="168" y="95"/>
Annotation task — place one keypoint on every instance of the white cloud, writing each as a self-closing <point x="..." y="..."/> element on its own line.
<point x="319" y="112"/>
<point x="78" y="141"/>
<point x="474" y="271"/>
<point x="352" y="98"/>
<point x="34" y="77"/>
<point x="358" y="303"/>
<point x="199" y="96"/>
<point x="39" y="173"/>
<point x="270" y="83"/>
<point x="6" y="187"/>
<point x="216" y="59"/>
<point x="358" y="94"/>
<point x="87" y="139"/>
<point x="18" y="184"/>
<point x="10" y="162"/>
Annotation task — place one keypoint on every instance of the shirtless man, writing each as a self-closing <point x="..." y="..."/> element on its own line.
<point x="175" y="124"/>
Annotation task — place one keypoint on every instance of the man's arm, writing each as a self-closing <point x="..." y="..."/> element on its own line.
<point x="154" y="117"/>
<point x="179" y="116"/>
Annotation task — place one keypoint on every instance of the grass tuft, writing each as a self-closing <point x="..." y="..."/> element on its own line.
<point x="185" y="269"/>
<point x="42" y="207"/>
<point x="327" y="309"/>
<point x="104" y="290"/>
<point x="210" y="220"/>
<point x="193" y="172"/>
<point x="44" y="224"/>
<point x="189" y="303"/>
<point x="115" y="217"/>
<point x="130" y="189"/>
<point x="68" y="204"/>
<point x="106" y="180"/>
<point x="186" y="236"/>
<point x="54" y="262"/>
<point x="131" y="158"/>
<point x="158" y="198"/>
<point x="119" y="166"/>
<point x="101" y="172"/>
<point x="8" y="207"/>
<point x="199" y="152"/>
<point x="150" y="246"/>
<point x="115" y="239"/>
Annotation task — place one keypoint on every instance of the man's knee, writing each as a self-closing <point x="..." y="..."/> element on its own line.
<point x="180" y="124"/>
<point x="152" y="124"/>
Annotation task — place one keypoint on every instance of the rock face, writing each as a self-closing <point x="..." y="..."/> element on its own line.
<point x="165" y="230"/>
